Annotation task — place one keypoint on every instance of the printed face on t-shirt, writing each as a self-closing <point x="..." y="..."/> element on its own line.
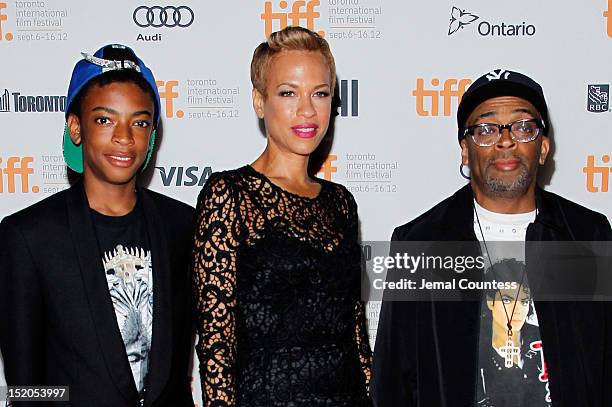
<point x="503" y="305"/>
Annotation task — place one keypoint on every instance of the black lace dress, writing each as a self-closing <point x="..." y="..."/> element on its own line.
<point x="277" y="281"/>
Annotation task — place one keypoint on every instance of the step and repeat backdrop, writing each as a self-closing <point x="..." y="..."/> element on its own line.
<point x="402" y="67"/>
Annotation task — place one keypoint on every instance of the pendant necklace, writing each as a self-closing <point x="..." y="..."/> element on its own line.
<point x="509" y="350"/>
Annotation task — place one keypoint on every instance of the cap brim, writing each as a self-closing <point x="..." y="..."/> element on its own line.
<point x="73" y="154"/>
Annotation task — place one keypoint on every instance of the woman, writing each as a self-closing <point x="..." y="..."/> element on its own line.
<point x="276" y="258"/>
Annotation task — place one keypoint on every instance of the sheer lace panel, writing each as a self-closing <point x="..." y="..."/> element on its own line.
<point x="277" y="279"/>
<point x="214" y="265"/>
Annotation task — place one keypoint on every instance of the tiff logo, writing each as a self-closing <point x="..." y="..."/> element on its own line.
<point x="186" y="177"/>
<point x="13" y="167"/>
<point x="591" y="170"/>
<point x="452" y="89"/>
<point x="598" y="99"/>
<point x="5" y="101"/>
<point x="327" y="169"/>
<point x="167" y="93"/>
<point x="3" y="17"/>
<point x="345" y="101"/>
<point x="607" y="13"/>
<point x="300" y="10"/>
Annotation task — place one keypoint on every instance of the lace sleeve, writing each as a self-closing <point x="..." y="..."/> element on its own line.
<point x="214" y="274"/>
<point x="361" y="330"/>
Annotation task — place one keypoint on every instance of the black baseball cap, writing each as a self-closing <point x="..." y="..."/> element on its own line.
<point x="501" y="82"/>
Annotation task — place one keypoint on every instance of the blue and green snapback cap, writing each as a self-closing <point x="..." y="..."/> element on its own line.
<point x="112" y="57"/>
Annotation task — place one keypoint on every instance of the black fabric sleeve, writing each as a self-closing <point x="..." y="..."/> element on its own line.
<point x="22" y="336"/>
<point x="393" y="378"/>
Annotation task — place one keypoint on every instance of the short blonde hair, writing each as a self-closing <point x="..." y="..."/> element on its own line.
<point x="288" y="39"/>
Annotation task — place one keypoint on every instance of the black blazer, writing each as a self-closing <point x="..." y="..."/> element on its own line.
<point x="58" y="325"/>
<point x="426" y="353"/>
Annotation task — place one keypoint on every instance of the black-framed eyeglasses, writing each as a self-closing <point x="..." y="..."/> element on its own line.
<point x="522" y="131"/>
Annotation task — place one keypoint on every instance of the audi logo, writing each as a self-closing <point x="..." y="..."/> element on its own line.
<point x="168" y="16"/>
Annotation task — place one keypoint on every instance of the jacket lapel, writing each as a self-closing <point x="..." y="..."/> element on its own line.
<point x="96" y="290"/>
<point x="161" y="346"/>
<point x="458" y="323"/>
<point x="460" y="216"/>
<point x="548" y="225"/>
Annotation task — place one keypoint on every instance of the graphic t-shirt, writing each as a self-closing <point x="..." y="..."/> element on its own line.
<point x="126" y="257"/>
<point x="508" y="375"/>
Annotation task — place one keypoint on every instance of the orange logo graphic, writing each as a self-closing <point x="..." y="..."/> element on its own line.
<point x="327" y="169"/>
<point x="4" y="17"/>
<point x="453" y="89"/>
<point x="297" y="14"/>
<point x="591" y="170"/>
<point x="13" y="167"/>
<point x="167" y="92"/>
<point x="608" y="15"/>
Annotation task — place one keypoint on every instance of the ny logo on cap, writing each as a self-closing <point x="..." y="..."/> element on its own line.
<point x="502" y="74"/>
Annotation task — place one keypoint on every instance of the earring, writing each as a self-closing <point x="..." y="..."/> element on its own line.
<point x="461" y="171"/>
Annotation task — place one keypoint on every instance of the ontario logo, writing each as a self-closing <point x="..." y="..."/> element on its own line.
<point x="300" y="12"/>
<point x="598" y="98"/>
<point x="461" y="18"/>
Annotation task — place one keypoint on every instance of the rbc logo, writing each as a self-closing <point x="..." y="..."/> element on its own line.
<point x="453" y="89"/>
<point x="598" y="98"/>
<point x="297" y="14"/>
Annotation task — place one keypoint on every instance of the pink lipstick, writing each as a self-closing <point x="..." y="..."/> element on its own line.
<point x="305" y="130"/>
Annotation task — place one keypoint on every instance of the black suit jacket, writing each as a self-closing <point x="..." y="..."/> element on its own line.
<point x="426" y="353"/>
<point x="58" y="325"/>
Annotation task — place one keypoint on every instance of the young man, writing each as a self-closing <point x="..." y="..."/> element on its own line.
<point x="94" y="283"/>
<point x="427" y="352"/>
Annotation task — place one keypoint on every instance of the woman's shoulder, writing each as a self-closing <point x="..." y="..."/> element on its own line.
<point x="231" y="175"/>
<point x="226" y="179"/>
<point x="338" y="192"/>
<point x="222" y="186"/>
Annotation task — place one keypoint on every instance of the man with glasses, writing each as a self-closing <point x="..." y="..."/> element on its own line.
<point x="434" y="353"/>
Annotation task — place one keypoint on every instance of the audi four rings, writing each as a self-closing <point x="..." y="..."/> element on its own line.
<point x="168" y="16"/>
